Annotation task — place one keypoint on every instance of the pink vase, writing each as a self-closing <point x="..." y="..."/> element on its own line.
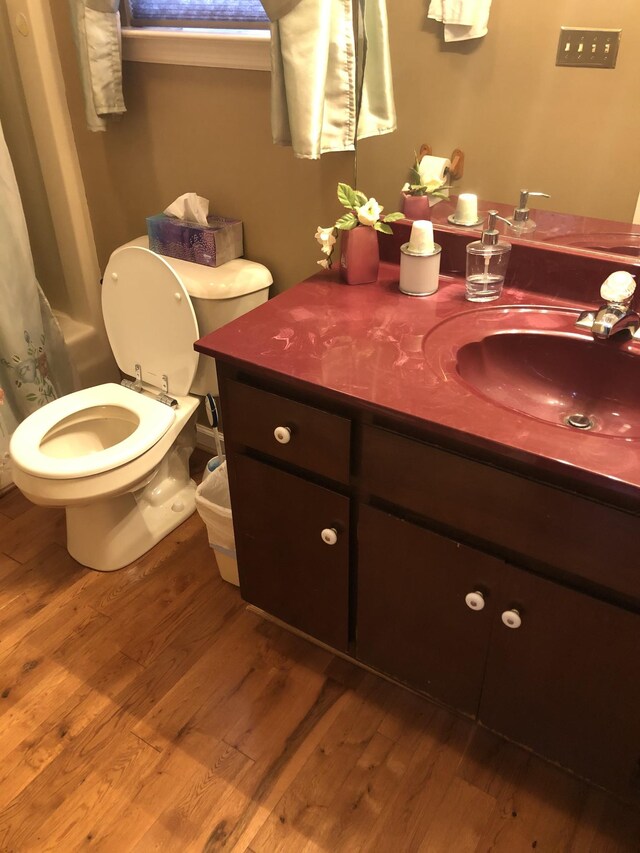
<point x="359" y="255"/>
<point x="416" y="206"/>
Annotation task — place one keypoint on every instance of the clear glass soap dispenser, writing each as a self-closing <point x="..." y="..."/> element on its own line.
<point x="487" y="261"/>
<point x="521" y="222"/>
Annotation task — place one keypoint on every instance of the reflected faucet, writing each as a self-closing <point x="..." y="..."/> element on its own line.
<point x="616" y="314"/>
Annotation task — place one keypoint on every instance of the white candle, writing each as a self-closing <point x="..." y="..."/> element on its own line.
<point x="467" y="209"/>
<point x="421" y="239"/>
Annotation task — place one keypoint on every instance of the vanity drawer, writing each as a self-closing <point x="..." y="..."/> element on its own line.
<point x="309" y="438"/>
<point x="549" y="525"/>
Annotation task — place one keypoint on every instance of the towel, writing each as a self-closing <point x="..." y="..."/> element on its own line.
<point x="462" y="19"/>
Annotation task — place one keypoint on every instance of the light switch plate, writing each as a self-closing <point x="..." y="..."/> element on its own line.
<point x="588" y="48"/>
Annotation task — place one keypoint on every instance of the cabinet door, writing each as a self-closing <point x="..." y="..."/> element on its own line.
<point x="566" y="682"/>
<point x="286" y="567"/>
<point x="413" y="620"/>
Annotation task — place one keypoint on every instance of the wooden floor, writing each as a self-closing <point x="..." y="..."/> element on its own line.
<point x="147" y="709"/>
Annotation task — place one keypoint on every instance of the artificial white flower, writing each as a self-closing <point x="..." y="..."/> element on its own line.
<point x="325" y="264"/>
<point x="326" y="238"/>
<point x="406" y="188"/>
<point x="370" y="212"/>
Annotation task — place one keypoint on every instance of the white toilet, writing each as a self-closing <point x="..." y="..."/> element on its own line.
<point x="117" y="456"/>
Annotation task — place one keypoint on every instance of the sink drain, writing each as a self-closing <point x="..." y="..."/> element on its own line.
<point x="579" y="421"/>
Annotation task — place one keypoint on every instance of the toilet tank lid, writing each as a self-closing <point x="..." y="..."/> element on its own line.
<point x="235" y="278"/>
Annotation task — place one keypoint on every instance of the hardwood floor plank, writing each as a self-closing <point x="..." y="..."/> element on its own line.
<point x="435" y="757"/>
<point x="296" y="815"/>
<point x="459" y="821"/>
<point x="358" y="801"/>
<point x="30" y="587"/>
<point x="107" y="787"/>
<point x="185" y="801"/>
<point x="59" y="731"/>
<point x="492" y="764"/>
<point x="37" y="680"/>
<point x="13" y="503"/>
<point x="8" y="567"/>
<point x="542" y="812"/>
<point x="24" y="536"/>
<point x="146" y="709"/>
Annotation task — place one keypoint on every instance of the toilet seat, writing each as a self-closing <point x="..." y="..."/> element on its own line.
<point x="149" y="420"/>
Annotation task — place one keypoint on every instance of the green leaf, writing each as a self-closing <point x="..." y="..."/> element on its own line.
<point x="360" y="198"/>
<point x="415" y="176"/>
<point x="347" y="222"/>
<point x="380" y="226"/>
<point x="346" y="196"/>
<point x="392" y="217"/>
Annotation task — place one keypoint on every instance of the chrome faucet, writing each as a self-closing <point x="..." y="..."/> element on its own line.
<point x="616" y="314"/>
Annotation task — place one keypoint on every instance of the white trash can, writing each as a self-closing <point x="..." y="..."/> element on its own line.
<point x="213" y="503"/>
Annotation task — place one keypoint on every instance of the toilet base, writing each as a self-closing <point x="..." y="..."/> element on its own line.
<point x="108" y="535"/>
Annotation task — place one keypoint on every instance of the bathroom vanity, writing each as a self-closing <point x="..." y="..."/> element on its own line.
<point x="428" y="528"/>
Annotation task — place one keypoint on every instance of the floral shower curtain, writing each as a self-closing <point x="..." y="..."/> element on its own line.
<point x="34" y="365"/>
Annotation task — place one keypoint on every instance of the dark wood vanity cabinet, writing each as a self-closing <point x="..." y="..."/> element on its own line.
<point x="546" y="666"/>
<point x="414" y="622"/>
<point x="402" y="555"/>
<point x="286" y="566"/>
<point x="567" y="681"/>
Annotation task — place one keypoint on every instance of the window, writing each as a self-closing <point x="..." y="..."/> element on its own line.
<point x="210" y="33"/>
<point x="196" y="13"/>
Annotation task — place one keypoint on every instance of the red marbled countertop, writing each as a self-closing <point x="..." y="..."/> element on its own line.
<point x="367" y="345"/>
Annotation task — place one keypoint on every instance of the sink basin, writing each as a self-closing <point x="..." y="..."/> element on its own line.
<point x="616" y="243"/>
<point x="532" y="361"/>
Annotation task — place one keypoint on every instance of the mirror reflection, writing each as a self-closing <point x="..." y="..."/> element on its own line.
<point x="521" y="121"/>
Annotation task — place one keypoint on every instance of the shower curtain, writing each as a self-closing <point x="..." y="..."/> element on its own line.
<point x="34" y="365"/>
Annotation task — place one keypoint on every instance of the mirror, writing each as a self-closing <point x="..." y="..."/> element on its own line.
<point x="521" y="120"/>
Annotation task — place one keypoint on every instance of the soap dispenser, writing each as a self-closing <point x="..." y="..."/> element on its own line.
<point x="487" y="261"/>
<point x="521" y="222"/>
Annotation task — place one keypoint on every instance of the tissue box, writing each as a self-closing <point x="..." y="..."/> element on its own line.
<point x="220" y="241"/>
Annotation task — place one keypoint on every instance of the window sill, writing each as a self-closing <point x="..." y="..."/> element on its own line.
<point x="247" y="49"/>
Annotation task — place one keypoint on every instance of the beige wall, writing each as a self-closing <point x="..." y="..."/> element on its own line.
<point x="22" y="148"/>
<point x="204" y="130"/>
<point x="522" y="121"/>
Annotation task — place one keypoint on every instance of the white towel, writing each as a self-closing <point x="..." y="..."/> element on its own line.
<point x="462" y="19"/>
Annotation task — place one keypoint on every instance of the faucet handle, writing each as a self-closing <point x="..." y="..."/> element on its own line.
<point x="618" y="288"/>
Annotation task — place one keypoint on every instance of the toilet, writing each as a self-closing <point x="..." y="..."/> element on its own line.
<point x="117" y="456"/>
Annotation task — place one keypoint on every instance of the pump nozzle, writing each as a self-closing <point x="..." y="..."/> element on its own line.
<point x="521" y="213"/>
<point x="491" y="234"/>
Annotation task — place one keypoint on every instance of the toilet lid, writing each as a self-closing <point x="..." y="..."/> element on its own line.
<point x="149" y="319"/>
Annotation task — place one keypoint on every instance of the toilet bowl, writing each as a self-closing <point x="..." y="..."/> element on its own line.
<point x="117" y="456"/>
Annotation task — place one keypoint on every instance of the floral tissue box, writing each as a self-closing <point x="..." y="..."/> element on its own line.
<point x="214" y="245"/>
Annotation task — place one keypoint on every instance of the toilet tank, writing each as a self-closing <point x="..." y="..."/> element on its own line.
<point x="219" y="295"/>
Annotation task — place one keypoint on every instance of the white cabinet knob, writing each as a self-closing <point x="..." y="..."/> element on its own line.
<point x="282" y="434"/>
<point x="474" y="600"/>
<point x="329" y="536"/>
<point x="511" y="618"/>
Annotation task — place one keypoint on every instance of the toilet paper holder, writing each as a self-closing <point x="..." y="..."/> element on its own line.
<point x="456" y="169"/>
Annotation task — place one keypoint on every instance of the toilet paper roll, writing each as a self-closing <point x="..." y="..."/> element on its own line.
<point x="432" y="170"/>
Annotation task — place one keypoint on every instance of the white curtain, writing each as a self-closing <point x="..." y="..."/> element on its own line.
<point x="321" y="100"/>
<point x="34" y="366"/>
